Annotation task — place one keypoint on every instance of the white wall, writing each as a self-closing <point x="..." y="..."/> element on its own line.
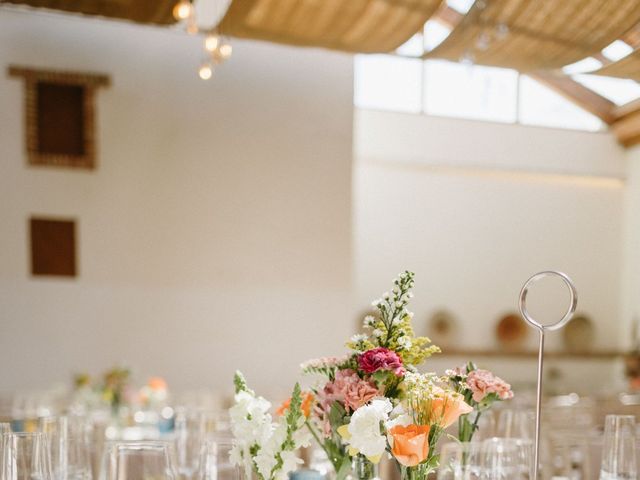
<point x="215" y="233"/>
<point x="631" y="270"/>
<point x="475" y="209"/>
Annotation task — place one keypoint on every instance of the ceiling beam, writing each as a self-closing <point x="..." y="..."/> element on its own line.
<point x="582" y="96"/>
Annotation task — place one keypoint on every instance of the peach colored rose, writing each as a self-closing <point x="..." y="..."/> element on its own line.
<point x="447" y="407"/>
<point x="410" y="444"/>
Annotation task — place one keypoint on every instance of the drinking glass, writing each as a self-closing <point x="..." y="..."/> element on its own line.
<point x="460" y="461"/>
<point x="506" y="459"/>
<point x="214" y="460"/>
<point x="26" y="457"/>
<point x="516" y="424"/>
<point x="189" y="434"/>
<point x="55" y="429"/>
<point x="619" y="450"/>
<point x="139" y="461"/>
<point x="68" y="440"/>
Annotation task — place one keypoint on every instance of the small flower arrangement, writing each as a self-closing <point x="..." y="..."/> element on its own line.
<point x="260" y="445"/>
<point x="480" y="389"/>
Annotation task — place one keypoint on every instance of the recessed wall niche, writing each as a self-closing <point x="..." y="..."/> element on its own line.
<point x="60" y="114"/>
<point x="53" y="247"/>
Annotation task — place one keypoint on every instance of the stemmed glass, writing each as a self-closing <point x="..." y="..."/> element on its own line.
<point x="619" y="451"/>
<point x="140" y="461"/>
<point x="460" y="461"/>
<point x="506" y="459"/>
<point x="26" y="457"/>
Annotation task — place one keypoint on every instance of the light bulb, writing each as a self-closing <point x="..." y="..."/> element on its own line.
<point x="192" y="25"/>
<point x="225" y="50"/>
<point x="182" y="10"/>
<point x="211" y="42"/>
<point x="206" y="71"/>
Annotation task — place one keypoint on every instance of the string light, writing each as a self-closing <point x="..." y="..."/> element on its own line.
<point x="211" y="42"/>
<point x="217" y="48"/>
<point x="225" y="51"/>
<point x="183" y="10"/>
<point x="206" y="71"/>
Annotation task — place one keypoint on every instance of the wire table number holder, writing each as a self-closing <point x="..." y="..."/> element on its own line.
<point x="542" y="329"/>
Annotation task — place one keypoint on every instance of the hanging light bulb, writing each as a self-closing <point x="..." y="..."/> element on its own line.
<point x="192" y="24"/>
<point x="225" y="50"/>
<point x="206" y="71"/>
<point x="182" y="10"/>
<point x="211" y="42"/>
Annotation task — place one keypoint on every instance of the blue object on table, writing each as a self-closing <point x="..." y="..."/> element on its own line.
<point x="306" y="475"/>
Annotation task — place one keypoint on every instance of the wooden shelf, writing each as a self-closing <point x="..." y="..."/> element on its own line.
<point x="471" y="353"/>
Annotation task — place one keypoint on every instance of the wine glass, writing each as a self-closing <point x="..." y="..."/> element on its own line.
<point x="26" y="457"/>
<point x="619" y="450"/>
<point x="460" y="461"/>
<point x="506" y="459"/>
<point x="139" y="461"/>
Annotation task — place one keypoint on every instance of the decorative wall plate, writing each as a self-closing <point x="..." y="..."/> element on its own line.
<point x="511" y="331"/>
<point x="443" y="328"/>
<point x="579" y="334"/>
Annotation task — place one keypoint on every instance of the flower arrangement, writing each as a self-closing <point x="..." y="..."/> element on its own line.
<point x="260" y="445"/>
<point x="480" y="389"/>
<point x="374" y="400"/>
<point x="367" y="403"/>
<point x="115" y="389"/>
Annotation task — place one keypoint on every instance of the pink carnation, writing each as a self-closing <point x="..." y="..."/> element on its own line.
<point x="349" y="389"/>
<point x="380" y="359"/>
<point x="483" y="382"/>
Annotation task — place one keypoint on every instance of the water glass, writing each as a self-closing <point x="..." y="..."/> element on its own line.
<point x="214" y="460"/>
<point x="139" y="461"/>
<point x="26" y="457"/>
<point x="460" y="461"/>
<point x="69" y="445"/>
<point x="506" y="459"/>
<point x="619" y="450"/>
<point x="189" y="434"/>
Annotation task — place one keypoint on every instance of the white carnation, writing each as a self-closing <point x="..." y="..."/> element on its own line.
<point x="364" y="427"/>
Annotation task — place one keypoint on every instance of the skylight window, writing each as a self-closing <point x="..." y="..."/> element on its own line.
<point x="585" y="65"/>
<point x="414" y="47"/>
<point x="539" y="105"/>
<point x="460" y="6"/>
<point x="388" y="83"/>
<point x="617" y="50"/>
<point x="434" y="34"/>
<point x="618" y="90"/>
<point x="456" y="90"/>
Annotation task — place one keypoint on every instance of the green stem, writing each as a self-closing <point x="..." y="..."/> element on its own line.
<point x="334" y="461"/>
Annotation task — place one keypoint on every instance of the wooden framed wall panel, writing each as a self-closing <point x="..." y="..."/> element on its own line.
<point x="60" y="116"/>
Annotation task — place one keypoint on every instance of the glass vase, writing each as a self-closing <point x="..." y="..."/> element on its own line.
<point x="363" y="469"/>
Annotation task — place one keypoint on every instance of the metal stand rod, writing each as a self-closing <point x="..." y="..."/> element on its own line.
<point x="536" y="451"/>
<point x="573" y="301"/>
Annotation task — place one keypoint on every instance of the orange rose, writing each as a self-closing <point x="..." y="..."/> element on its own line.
<point x="307" y="401"/>
<point x="410" y="444"/>
<point x="448" y="407"/>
